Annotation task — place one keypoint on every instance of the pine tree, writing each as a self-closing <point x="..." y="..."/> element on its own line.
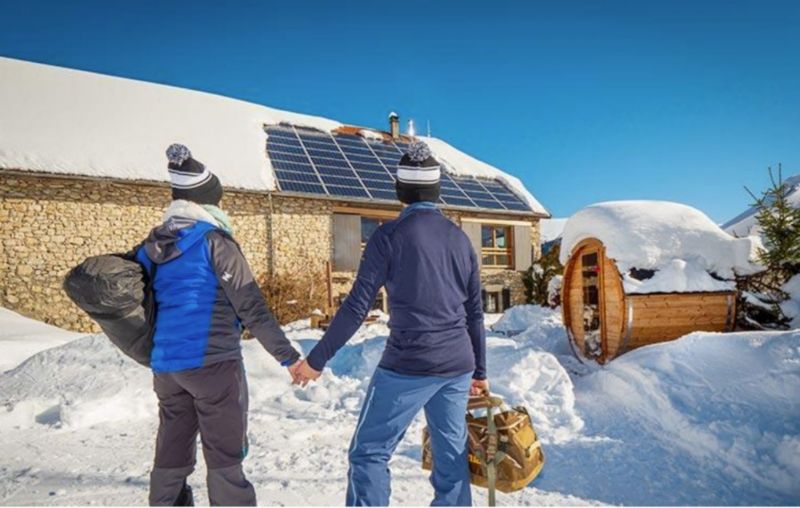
<point x="780" y="229"/>
<point x="779" y="224"/>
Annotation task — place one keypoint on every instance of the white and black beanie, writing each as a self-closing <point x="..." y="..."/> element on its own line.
<point x="418" y="175"/>
<point x="190" y="179"/>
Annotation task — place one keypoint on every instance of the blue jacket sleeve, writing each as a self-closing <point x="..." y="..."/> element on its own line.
<point x="474" y="308"/>
<point x="372" y="273"/>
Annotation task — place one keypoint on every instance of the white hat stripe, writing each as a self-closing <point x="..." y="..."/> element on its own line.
<point x="185" y="181"/>
<point x="417" y="175"/>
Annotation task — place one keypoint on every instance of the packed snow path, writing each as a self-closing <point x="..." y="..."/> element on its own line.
<point x="708" y="419"/>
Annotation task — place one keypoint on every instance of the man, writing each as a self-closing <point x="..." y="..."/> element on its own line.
<point x="435" y="355"/>
<point x="204" y="292"/>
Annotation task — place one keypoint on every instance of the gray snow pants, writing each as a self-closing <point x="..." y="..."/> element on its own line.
<point x="211" y="400"/>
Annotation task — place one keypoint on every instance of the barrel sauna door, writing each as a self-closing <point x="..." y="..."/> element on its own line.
<point x="590" y="310"/>
<point x="592" y="301"/>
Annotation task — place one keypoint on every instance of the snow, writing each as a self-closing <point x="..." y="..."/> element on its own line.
<point x="554" y="289"/>
<point x="460" y="164"/>
<point x="746" y="224"/>
<point x="21" y="337"/>
<point x="72" y="122"/>
<point x="370" y="135"/>
<point x="678" y="276"/>
<point x="551" y="229"/>
<point x="672" y="238"/>
<point x="707" y="419"/>
<point x="791" y="306"/>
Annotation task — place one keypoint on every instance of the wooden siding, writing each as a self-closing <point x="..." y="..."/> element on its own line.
<point x="663" y="317"/>
<point x="654" y="317"/>
<point x="523" y="251"/>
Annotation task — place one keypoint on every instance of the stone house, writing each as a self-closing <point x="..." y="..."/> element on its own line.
<point x="82" y="172"/>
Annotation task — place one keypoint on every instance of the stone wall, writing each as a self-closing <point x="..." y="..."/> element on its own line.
<point x="49" y="224"/>
<point x="302" y="235"/>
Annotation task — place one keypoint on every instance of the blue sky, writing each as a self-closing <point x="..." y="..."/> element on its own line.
<point x="585" y="101"/>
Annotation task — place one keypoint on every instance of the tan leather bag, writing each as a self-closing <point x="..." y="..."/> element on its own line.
<point x="504" y="451"/>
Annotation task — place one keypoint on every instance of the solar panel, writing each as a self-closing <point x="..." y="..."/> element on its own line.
<point x="332" y="171"/>
<point x="356" y="192"/>
<point x="309" y="188"/>
<point x="292" y="176"/>
<point x="341" y="180"/>
<point x="311" y="161"/>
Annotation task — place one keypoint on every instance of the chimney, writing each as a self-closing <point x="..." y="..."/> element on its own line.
<point x="394" y="125"/>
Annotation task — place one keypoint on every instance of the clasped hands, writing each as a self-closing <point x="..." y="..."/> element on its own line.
<point x="302" y="373"/>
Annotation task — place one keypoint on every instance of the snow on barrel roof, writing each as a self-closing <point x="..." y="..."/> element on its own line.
<point x="66" y="121"/>
<point x="681" y="243"/>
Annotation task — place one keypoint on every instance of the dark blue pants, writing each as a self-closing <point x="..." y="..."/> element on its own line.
<point x="393" y="400"/>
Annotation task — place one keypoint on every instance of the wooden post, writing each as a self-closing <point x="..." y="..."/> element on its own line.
<point x="329" y="283"/>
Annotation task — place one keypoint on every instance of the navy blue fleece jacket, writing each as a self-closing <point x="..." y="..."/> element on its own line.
<point x="433" y="284"/>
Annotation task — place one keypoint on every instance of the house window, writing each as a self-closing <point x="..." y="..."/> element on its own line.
<point x="351" y="232"/>
<point x="368" y="226"/>
<point x="496" y="248"/>
<point x="496" y="300"/>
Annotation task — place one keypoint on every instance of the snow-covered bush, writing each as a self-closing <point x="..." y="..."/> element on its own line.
<point x="538" y="277"/>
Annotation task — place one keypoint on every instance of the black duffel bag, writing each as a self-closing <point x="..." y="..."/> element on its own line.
<point x="117" y="294"/>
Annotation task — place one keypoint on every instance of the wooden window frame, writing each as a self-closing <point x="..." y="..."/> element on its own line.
<point x="493" y="252"/>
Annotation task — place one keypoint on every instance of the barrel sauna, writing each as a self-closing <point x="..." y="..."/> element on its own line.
<point x="604" y="322"/>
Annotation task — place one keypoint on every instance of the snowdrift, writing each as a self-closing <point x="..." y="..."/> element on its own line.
<point x="21" y="337"/>
<point x="707" y="419"/>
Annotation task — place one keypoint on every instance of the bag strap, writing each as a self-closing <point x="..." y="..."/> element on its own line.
<point x="491" y="453"/>
<point x="484" y="401"/>
<point x="150" y="293"/>
<point x="491" y="457"/>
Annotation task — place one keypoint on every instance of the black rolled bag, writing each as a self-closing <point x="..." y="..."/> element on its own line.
<point x="116" y="292"/>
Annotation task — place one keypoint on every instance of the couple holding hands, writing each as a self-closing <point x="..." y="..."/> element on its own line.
<point x="205" y="292"/>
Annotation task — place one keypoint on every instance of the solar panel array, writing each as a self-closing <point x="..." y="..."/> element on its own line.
<point x="310" y="161"/>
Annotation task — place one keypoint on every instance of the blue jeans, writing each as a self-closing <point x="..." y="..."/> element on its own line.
<point x="393" y="400"/>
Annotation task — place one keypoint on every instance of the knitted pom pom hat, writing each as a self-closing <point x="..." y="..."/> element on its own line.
<point x="418" y="175"/>
<point x="190" y="179"/>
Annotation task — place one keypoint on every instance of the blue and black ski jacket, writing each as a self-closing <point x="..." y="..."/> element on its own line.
<point x="204" y="292"/>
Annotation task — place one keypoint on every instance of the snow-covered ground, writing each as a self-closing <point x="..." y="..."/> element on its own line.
<point x="21" y="337"/>
<point x="707" y="419"/>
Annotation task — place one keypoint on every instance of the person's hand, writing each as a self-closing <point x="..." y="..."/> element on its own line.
<point x="302" y="373"/>
<point x="293" y="370"/>
<point x="479" y="387"/>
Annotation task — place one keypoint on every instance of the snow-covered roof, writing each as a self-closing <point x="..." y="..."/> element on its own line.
<point x="461" y="164"/>
<point x="745" y="224"/>
<point x="72" y="122"/>
<point x="679" y="242"/>
<point x="551" y="229"/>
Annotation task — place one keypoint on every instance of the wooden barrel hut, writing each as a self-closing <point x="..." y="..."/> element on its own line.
<point x="642" y="272"/>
